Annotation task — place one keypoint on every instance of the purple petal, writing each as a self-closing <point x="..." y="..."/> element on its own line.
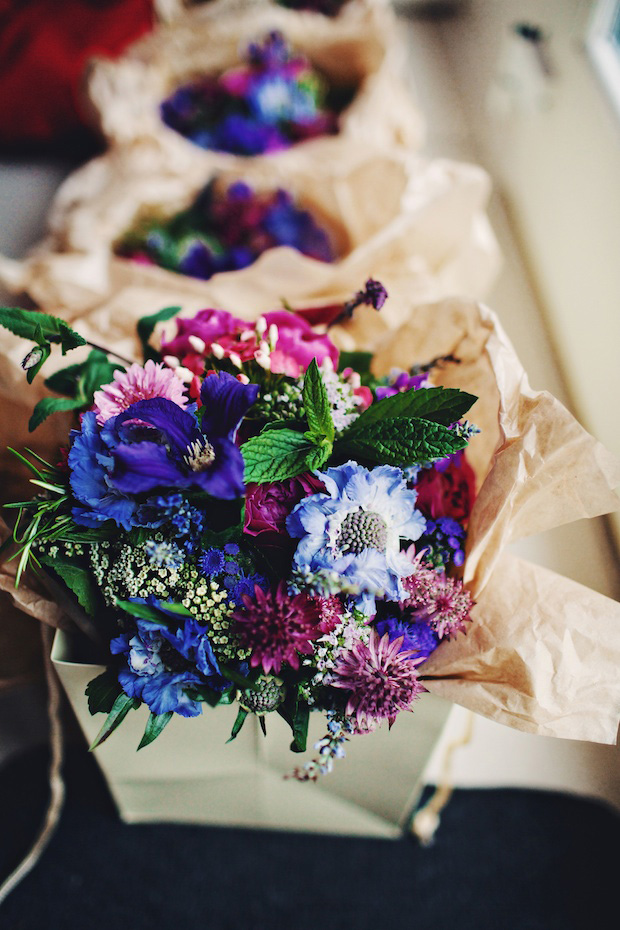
<point x="179" y="427"/>
<point x="226" y="402"/>
<point x="142" y="466"/>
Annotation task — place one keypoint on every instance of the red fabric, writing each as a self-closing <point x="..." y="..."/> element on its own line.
<point x="44" y="47"/>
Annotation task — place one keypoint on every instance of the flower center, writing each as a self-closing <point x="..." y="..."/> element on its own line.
<point x="362" y="529"/>
<point x="200" y="455"/>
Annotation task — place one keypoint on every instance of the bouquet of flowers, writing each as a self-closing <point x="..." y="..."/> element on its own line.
<point x="273" y="100"/>
<point x="224" y="230"/>
<point x="252" y="517"/>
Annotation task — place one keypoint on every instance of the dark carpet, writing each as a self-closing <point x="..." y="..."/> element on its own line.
<point x="505" y="859"/>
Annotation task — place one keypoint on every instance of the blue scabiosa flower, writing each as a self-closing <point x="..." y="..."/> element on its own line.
<point x="354" y="530"/>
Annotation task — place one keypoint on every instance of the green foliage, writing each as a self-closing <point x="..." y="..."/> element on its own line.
<point x="239" y="721"/>
<point x="42" y="329"/>
<point x="297" y="714"/>
<point x="401" y="441"/>
<point x="154" y="725"/>
<point x="78" y="579"/>
<point x="439" y="405"/>
<point x="317" y="406"/>
<point x="79" y="382"/>
<point x="121" y="707"/>
<point x="276" y="455"/>
<point x="102" y="692"/>
<point x="146" y="326"/>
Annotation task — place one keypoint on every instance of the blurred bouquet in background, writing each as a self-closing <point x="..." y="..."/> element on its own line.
<point x="224" y="230"/>
<point x="267" y="104"/>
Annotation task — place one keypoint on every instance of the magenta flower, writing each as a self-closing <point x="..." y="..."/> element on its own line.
<point x="139" y="382"/>
<point x="297" y="344"/>
<point x="382" y="680"/>
<point x="277" y="627"/>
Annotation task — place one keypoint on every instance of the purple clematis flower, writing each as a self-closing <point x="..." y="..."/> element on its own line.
<point x="156" y="444"/>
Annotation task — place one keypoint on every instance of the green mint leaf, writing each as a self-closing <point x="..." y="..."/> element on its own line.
<point x="280" y="454"/>
<point x="438" y="405"/>
<point x="50" y="405"/>
<point x="401" y="441"/>
<point x="316" y="403"/>
<point x="146" y="326"/>
<point x="121" y="707"/>
<point x="154" y="725"/>
<point x="102" y="691"/>
<point x="40" y="327"/>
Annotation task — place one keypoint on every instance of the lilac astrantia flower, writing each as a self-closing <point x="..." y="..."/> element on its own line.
<point x="155" y="444"/>
<point x="139" y="382"/>
<point x="381" y="680"/>
<point x="418" y="638"/>
<point x="354" y="531"/>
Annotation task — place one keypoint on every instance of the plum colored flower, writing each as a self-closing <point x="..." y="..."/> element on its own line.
<point x="268" y="505"/>
<point x="354" y="531"/>
<point x="449" y="491"/>
<point x="139" y="382"/>
<point x="400" y="381"/>
<point x="449" y="606"/>
<point x="277" y="627"/>
<point x="381" y="680"/>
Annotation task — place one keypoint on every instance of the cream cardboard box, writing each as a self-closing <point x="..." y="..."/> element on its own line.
<point x="190" y="774"/>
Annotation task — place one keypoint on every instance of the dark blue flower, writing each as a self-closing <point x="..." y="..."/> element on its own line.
<point x="212" y="562"/>
<point x="156" y="444"/>
<point x="90" y="463"/>
<point x="418" y="637"/>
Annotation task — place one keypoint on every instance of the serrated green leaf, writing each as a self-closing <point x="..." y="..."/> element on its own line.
<point x="154" y="725"/>
<point x="146" y="326"/>
<point x="401" y="442"/>
<point x="316" y="403"/>
<point x="121" y="707"/>
<point x="278" y="455"/>
<point x="50" y="405"/>
<point x="102" y="691"/>
<point x="438" y="405"/>
<point x="39" y="327"/>
<point x="239" y="721"/>
<point x="77" y="579"/>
